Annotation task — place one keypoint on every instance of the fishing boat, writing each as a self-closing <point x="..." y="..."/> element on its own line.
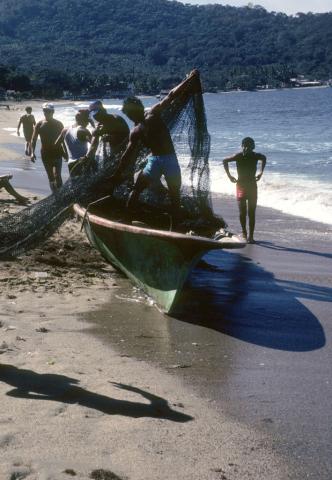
<point x="157" y="261"/>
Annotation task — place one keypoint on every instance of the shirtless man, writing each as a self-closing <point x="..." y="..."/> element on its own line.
<point x="28" y="122"/>
<point x="111" y="131"/>
<point x="151" y="131"/>
<point x="49" y="130"/>
<point x="75" y="141"/>
<point x="246" y="183"/>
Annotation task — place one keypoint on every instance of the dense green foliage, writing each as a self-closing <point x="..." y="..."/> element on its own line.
<point x="154" y="42"/>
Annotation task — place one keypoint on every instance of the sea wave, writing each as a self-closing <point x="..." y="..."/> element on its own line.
<point x="301" y="146"/>
<point x="292" y="194"/>
<point x="108" y="106"/>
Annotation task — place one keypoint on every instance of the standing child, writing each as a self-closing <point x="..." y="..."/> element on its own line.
<point x="246" y="183"/>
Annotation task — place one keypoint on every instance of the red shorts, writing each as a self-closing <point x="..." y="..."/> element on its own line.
<point x="246" y="191"/>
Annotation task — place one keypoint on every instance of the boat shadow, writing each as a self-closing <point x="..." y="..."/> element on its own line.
<point x="60" y="388"/>
<point x="243" y="300"/>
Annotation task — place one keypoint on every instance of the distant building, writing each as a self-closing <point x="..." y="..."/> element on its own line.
<point x="301" y="81"/>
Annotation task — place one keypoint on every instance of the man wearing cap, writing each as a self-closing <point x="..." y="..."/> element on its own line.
<point x="112" y="130"/>
<point x="94" y="107"/>
<point x="49" y="130"/>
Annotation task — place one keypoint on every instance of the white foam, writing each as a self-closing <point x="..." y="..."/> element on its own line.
<point x="12" y="131"/>
<point x="299" y="196"/>
<point x="293" y="194"/>
<point x="298" y="147"/>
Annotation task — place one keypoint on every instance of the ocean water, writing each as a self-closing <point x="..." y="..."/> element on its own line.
<point x="292" y="127"/>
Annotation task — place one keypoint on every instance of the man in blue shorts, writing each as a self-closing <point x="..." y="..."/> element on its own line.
<point x="151" y="131"/>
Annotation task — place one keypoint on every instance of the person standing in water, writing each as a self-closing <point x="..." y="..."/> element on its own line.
<point x="246" y="183"/>
<point x="28" y="122"/>
<point x="49" y="130"/>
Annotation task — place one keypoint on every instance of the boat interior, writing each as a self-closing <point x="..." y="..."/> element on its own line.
<point x="154" y="217"/>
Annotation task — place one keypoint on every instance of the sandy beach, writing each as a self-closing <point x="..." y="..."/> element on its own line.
<point x="96" y="383"/>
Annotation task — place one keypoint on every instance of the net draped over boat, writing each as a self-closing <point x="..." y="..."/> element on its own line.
<point x="185" y="117"/>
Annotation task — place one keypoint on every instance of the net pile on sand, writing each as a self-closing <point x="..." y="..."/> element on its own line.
<point x="186" y="120"/>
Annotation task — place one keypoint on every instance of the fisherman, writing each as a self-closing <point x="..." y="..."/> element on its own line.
<point x="75" y="141"/>
<point x="94" y="107"/>
<point x="28" y="122"/>
<point x="49" y="130"/>
<point x="246" y="183"/>
<point x="110" y="134"/>
<point x="87" y="112"/>
<point x="151" y="131"/>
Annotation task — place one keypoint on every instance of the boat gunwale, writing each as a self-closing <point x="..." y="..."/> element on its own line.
<point x="210" y="244"/>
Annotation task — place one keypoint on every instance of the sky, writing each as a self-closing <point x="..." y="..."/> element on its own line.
<point x="287" y="6"/>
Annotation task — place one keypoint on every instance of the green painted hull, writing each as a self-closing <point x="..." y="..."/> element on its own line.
<point x="156" y="261"/>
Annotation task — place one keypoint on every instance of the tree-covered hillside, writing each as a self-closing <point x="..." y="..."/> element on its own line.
<point x="157" y="41"/>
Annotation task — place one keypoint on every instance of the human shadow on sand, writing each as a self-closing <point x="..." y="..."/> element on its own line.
<point x="60" y="388"/>
<point x="245" y="301"/>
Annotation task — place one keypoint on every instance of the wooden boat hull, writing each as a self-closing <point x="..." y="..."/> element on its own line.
<point x="158" y="262"/>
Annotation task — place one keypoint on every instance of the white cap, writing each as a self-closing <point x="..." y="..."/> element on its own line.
<point x="48" y="106"/>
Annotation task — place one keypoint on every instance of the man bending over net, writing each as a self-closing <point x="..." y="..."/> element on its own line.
<point x="151" y="131"/>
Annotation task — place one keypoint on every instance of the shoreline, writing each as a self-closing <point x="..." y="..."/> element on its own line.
<point x="26" y="176"/>
<point x="32" y="177"/>
<point x="271" y="89"/>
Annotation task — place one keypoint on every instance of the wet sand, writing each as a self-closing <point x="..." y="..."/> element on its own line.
<point x="235" y="385"/>
<point x="251" y="336"/>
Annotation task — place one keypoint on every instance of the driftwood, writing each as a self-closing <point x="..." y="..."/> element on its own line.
<point x="5" y="183"/>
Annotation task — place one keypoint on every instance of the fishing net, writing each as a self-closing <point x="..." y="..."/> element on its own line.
<point x="186" y="120"/>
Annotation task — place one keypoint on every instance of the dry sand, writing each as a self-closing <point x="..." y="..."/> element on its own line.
<point x="71" y="406"/>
